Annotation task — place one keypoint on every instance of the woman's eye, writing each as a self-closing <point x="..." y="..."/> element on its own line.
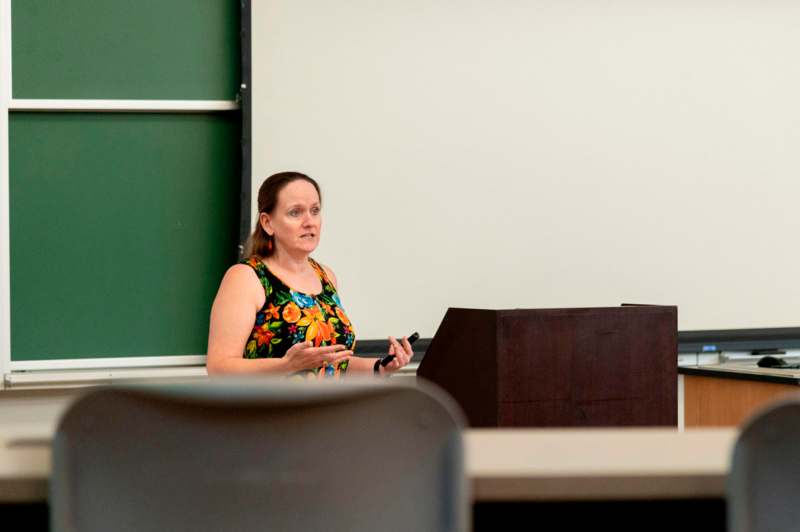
<point x="315" y="210"/>
<point x="294" y="212"/>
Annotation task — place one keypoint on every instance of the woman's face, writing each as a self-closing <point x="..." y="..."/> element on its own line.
<point x="296" y="221"/>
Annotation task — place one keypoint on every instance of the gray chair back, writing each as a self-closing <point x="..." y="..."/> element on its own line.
<point x="262" y="455"/>
<point x="764" y="481"/>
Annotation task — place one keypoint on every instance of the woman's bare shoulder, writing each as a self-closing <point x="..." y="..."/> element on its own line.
<point x="331" y="275"/>
<point x="241" y="273"/>
<point x="241" y="280"/>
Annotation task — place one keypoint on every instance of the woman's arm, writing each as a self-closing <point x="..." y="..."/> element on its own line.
<point x="361" y="365"/>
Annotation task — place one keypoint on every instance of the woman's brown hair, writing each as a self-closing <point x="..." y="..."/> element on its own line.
<point x="260" y="243"/>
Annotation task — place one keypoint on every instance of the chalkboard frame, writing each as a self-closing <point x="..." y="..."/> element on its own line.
<point x="5" y="249"/>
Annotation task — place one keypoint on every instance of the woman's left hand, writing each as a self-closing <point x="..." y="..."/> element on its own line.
<point x="402" y="352"/>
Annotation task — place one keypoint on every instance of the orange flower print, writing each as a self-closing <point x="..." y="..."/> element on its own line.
<point x="291" y="313"/>
<point x="327" y="308"/>
<point x="342" y="316"/>
<point x="263" y="335"/>
<point x="320" y="331"/>
<point x="325" y="333"/>
<point x="272" y="310"/>
<point x="310" y="315"/>
<point x="312" y="319"/>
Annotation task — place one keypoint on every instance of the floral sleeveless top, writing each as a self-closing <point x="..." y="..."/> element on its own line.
<point x="289" y="317"/>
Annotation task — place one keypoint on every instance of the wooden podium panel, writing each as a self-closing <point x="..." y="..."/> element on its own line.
<point x="559" y="367"/>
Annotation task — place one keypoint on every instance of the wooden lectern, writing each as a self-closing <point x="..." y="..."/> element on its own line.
<point x="559" y="367"/>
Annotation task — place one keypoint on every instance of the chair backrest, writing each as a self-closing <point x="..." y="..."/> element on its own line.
<point x="764" y="481"/>
<point x="260" y="455"/>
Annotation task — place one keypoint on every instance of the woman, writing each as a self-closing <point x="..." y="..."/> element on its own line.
<point x="278" y="312"/>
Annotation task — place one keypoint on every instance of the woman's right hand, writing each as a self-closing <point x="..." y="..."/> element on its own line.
<point x="304" y="356"/>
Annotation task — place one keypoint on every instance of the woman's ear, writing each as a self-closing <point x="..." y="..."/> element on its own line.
<point x="266" y="225"/>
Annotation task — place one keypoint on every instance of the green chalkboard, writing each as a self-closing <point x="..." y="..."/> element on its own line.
<point x="125" y="49"/>
<point x="121" y="228"/>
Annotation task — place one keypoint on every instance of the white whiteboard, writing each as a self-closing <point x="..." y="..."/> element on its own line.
<point x="532" y="154"/>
